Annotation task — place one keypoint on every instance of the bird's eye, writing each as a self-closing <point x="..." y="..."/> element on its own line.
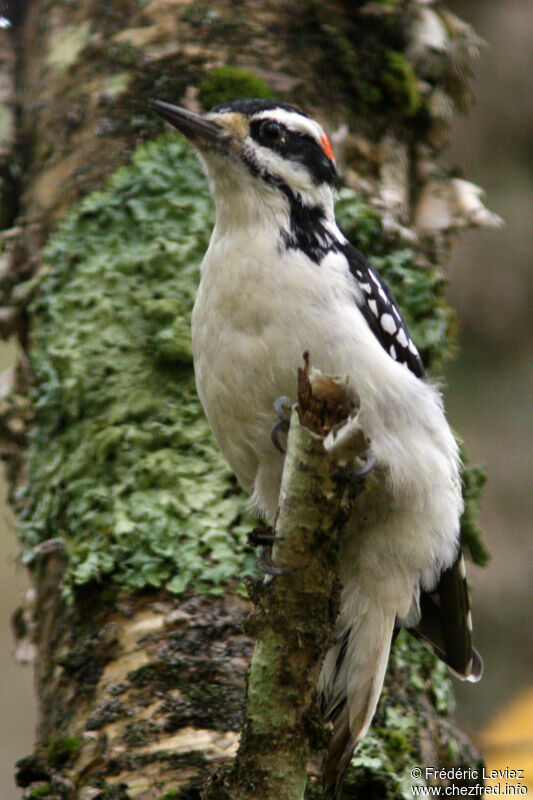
<point x="271" y="132"/>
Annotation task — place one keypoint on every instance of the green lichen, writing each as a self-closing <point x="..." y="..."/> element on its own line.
<point x="122" y="465"/>
<point x="423" y="670"/>
<point x="231" y="83"/>
<point x="66" y="44"/>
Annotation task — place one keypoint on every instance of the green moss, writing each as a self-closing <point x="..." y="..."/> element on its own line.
<point x="62" y="750"/>
<point x="122" y="464"/>
<point x="139" y="733"/>
<point x="400" y="83"/>
<point x="364" y="64"/>
<point x="111" y="791"/>
<point x="231" y="83"/>
<point x="191" y="791"/>
<point x="341" y="48"/>
<point x="42" y="790"/>
<point x="31" y="770"/>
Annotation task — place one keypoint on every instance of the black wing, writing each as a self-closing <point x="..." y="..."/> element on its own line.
<point x="445" y="625"/>
<point x="381" y="313"/>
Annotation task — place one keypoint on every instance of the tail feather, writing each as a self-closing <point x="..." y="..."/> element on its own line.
<point x="340" y="751"/>
<point x="358" y="680"/>
<point x="354" y="669"/>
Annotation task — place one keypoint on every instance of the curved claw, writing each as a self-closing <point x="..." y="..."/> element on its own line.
<point x="368" y="466"/>
<point x="265" y="565"/>
<point x="282" y="407"/>
<point x="274" y="434"/>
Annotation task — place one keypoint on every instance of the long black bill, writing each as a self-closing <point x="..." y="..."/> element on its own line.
<point x="192" y="125"/>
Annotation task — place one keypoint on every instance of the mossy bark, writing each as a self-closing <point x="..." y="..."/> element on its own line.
<point x="133" y="528"/>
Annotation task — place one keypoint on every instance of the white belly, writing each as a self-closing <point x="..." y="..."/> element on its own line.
<point x="252" y="322"/>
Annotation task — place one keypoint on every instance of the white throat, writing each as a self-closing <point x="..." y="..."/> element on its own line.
<point x="243" y="199"/>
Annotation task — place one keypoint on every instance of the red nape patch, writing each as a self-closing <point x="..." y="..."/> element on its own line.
<point x="326" y="147"/>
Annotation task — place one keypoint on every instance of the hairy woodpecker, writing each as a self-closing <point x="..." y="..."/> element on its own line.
<point x="279" y="278"/>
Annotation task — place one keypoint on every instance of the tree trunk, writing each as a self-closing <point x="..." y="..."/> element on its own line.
<point x="132" y="526"/>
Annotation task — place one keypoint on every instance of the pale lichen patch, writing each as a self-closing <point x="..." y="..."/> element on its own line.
<point x="212" y="744"/>
<point x="118" y="670"/>
<point x="138" y="37"/>
<point x="115" y="85"/>
<point x="7" y="127"/>
<point x="66" y="43"/>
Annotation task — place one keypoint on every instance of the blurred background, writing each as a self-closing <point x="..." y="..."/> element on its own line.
<point x="489" y="398"/>
<point x="490" y="386"/>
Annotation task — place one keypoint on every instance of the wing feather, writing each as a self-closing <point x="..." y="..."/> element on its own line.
<point x="381" y="313"/>
<point x="445" y="624"/>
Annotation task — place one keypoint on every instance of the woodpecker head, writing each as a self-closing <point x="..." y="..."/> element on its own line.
<point x="260" y="149"/>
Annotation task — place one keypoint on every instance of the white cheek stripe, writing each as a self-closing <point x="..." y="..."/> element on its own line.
<point x="293" y="121"/>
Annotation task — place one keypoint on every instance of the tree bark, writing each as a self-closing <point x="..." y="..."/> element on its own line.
<point x="132" y="526"/>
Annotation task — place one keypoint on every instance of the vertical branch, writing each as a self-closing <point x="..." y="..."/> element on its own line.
<point x="296" y="611"/>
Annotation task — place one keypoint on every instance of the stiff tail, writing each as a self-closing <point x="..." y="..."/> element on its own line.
<point x="356" y="669"/>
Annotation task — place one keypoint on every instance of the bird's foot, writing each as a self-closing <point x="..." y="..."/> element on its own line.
<point x="349" y="445"/>
<point x="264" y="538"/>
<point x="261" y="536"/>
<point x="283" y="408"/>
<point x="350" y="473"/>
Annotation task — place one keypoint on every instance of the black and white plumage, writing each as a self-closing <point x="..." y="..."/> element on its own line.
<point x="279" y="278"/>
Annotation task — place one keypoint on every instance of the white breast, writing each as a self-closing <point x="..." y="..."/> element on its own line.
<point x="255" y="315"/>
